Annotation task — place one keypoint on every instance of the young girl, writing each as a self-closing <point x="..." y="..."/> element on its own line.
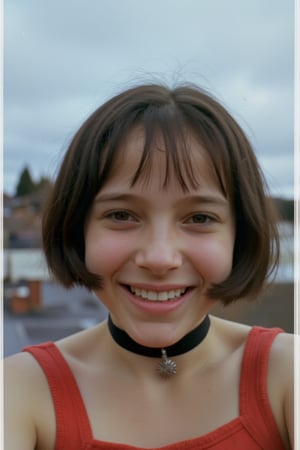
<point x="159" y="208"/>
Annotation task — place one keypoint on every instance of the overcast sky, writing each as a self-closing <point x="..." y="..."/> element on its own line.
<point x="63" y="58"/>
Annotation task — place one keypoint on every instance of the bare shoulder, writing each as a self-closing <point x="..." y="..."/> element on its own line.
<point x="18" y="360"/>
<point x="22" y="371"/>
<point x="282" y="356"/>
<point x="21" y="377"/>
<point x="19" y="374"/>
<point x="281" y="361"/>
<point x="281" y="383"/>
<point x="25" y="388"/>
<point x="281" y="364"/>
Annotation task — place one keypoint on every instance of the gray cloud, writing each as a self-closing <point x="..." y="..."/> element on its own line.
<point x="62" y="59"/>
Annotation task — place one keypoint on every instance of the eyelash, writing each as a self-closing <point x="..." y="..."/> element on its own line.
<point x="205" y="219"/>
<point x="113" y="215"/>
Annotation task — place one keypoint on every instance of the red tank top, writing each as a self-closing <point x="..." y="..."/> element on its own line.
<point x="254" y="429"/>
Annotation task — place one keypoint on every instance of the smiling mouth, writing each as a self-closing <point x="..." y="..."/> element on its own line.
<point x="155" y="296"/>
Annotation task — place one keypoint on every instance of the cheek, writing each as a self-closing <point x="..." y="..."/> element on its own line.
<point x="213" y="260"/>
<point x="106" y="255"/>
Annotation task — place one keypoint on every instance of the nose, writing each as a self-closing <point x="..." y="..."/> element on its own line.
<point x="159" y="253"/>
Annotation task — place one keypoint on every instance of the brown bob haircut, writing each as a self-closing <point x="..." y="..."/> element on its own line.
<point x="172" y="113"/>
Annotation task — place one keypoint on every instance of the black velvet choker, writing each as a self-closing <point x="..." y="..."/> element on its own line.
<point x="166" y="366"/>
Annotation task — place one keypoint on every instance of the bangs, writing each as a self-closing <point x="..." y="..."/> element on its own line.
<point x="165" y="129"/>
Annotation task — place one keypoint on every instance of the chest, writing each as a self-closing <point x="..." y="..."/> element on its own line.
<point x="158" y="413"/>
<point x="123" y="410"/>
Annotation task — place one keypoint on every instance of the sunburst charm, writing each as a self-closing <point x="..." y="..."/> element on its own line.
<point x="166" y="367"/>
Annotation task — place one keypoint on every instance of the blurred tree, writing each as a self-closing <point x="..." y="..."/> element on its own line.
<point x="25" y="184"/>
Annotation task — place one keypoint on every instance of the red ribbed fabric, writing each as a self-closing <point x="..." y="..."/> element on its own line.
<point x="254" y="429"/>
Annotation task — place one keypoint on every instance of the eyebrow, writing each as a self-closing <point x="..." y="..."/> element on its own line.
<point x="206" y="199"/>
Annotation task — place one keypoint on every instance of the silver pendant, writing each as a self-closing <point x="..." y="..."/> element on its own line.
<point x="166" y="367"/>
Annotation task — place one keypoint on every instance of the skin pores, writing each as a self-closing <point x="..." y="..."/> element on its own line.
<point x="158" y="248"/>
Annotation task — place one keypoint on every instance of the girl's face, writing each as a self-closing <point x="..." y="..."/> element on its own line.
<point x="158" y="249"/>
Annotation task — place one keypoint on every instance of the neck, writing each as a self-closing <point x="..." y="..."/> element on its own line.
<point x="166" y="366"/>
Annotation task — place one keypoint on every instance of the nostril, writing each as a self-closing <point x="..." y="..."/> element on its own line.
<point x="158" y="262"/>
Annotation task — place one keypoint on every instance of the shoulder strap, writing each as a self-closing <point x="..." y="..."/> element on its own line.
<point x="255" y="409"/>
<point x="72" y="423"/>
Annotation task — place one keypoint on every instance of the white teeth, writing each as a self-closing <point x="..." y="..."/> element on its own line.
<point x="171" y="294"/>
<point x="137" y="291"/>
<point x="162" y="296"/>
<point x="157" y="296"/>
<point x="152" y="295"/>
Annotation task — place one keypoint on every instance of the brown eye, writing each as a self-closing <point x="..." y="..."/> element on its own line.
<point x="200" y="218"/>
<point x="120" y="216"/>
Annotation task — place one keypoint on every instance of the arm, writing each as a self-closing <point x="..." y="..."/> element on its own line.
<point x="19" y="398"/>
<point x="289" y="395"/>
<point x="289" y="413"/>
<point x="281" y="386"/>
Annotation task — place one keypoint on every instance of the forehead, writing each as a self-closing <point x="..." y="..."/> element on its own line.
<point x="187" y="166"/>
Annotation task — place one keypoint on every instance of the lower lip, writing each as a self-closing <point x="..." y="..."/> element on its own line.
<point x="158" y="307"/>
